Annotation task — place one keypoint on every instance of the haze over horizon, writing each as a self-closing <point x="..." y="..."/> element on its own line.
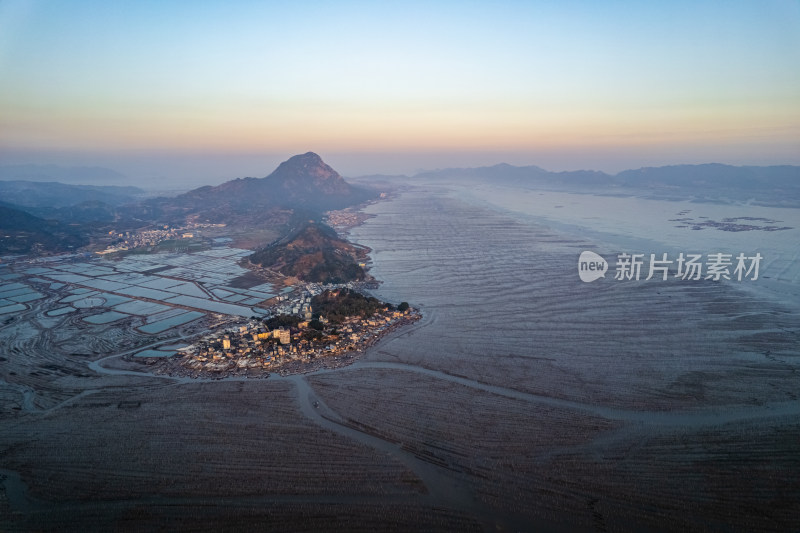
<point x="213" y="91"/>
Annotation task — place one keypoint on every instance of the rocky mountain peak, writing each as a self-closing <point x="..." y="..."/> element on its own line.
<point x="306" y="165"/>
<point x="302" y="181"/>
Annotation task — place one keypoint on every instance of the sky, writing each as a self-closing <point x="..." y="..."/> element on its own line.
<point x="209" y="91"/>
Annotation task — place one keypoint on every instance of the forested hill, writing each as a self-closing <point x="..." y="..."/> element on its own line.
<point x="314" y="253"/>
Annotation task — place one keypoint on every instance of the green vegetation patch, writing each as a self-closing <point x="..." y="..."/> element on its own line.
<point x="283" y="321"/>
<point x="335" y="305"/>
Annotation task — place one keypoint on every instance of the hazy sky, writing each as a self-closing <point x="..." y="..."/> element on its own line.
<point x="222" y="89"/>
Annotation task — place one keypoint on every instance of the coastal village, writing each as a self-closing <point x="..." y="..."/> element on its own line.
<point x="130" y="240"/>
<point x="293" y="338"/>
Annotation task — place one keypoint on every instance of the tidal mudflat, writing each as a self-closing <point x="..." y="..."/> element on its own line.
<point x="523" y="400"/>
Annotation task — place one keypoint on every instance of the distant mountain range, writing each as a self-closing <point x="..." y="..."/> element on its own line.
<point x="54" y="195"/>
<point x="713" y="175"/>
<point x="22" y="233"/>
<point x="773" y="185"/>
<point x="72" y="175"/>
<point x="303" y="187"/>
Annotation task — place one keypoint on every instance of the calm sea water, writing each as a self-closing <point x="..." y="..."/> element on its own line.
<point x="643" y="225"/>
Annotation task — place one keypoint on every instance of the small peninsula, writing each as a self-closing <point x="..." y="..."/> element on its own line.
<point x="330" y="328"/>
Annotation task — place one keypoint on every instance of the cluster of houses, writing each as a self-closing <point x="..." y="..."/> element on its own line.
<point x="139" y="239"/>
<point x="345" y="218"/>
<point x="254" y="345"/>
<point x="299" y="306"/>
